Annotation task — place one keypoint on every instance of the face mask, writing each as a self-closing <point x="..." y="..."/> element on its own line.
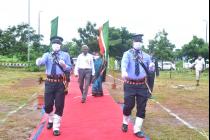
<point x="137" y="45"/>
<point x="56" y="47"/>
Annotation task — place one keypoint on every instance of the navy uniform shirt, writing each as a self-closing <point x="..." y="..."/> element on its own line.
<point x="128" y="64"/>
<point x="47" y="60"/>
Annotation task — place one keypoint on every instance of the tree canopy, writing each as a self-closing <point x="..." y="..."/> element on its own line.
<point x="194" y="48"/>
<point x="161" y="47"/>
<point x="14" y="42"/>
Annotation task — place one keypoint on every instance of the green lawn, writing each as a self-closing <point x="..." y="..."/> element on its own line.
<point x="182" y="97"/>
<point x="17" y="86"/>
<point x="16" y="89"/>
<point x="178" y="93"/>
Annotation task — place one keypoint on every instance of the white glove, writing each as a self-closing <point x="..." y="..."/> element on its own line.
<point x="124" y="75"/>
<point x="38" y="61"/>
<point x="62" y="63"/>
<point x="152" y="66"/>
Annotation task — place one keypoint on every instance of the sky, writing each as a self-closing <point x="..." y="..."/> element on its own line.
<point x="181" y="19"/>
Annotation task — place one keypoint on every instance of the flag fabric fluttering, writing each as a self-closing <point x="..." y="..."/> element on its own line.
<point x="54" y="27"/>
<point x="103" y="40"/>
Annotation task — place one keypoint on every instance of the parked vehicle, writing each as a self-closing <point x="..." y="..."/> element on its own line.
<point x="167" y="65"/>
<point x="74" y="60"/>
<point x="190" y="64"/>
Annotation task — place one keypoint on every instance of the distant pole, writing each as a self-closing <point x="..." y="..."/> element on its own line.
<point x="39" y="21"/>
<point x="29" y="12"/>
<point x="206" y="28"/>
<point x="28" y="30"/>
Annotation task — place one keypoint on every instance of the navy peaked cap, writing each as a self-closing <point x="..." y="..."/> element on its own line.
<point x="56" y="39"/>
<point x="137" y="38"/>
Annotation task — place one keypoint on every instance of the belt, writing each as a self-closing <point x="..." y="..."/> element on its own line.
<point x="86" y="69"/>
<point x="135" y="82"/>
<point x="54" y="80"/>
<point x="55" y="76"/>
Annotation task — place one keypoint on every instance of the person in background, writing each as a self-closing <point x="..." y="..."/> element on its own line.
<point x="154" y="73"/>
<point x="199" y="67"/>
<point x="100" y="66"/>
<point x="56" y="63"/>
<point x="85" y="69"/>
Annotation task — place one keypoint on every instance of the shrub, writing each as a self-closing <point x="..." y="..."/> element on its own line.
<point x="33" y="68"/>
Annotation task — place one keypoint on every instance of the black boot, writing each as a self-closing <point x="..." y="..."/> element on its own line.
<point x="56" y="132"/>
<point x="124" y="127"/>
<point x="140" y="134"/>
<point x="49" y="125"/>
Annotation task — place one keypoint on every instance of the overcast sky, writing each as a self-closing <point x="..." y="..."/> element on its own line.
<point x="180" y="18"/>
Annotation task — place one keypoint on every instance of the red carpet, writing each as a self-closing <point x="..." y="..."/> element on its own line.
<point x="100" y="118"/>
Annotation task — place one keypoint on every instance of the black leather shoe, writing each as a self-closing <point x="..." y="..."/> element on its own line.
<point x="140" y="134"/>
<point x="56" y="133"/>
<point x="124" y="127"/>
<point x="99" y="95"/>
<point x="66" y="92"/>
<point x="83" y="101"/>
<point x="49" y="125"/>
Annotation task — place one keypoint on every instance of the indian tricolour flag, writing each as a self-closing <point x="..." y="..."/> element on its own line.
<point x="103" y="40"/>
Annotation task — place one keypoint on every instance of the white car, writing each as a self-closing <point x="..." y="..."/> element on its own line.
<point x="190" y="64"/>
<point x="167" y="65"/>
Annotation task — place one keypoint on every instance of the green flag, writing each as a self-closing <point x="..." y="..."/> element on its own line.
<point x="54" y="27"/>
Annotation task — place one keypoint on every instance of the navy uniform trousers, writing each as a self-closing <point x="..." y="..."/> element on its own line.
<point x="135" y="93"/>
<point x="54" y="94"/>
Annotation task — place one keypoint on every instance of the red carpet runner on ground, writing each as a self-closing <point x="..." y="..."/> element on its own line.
<point x="99" y="118"/>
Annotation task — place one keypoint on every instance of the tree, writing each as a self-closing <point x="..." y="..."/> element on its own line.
<point x="88" y="36"/>
<point x="194" y="48"/>
<point x="14" y="41"/>
<point x="178" y="54"/>
<point x="71" y="48"/>
<point x="120" y="41"/>
<point x="161" y="47"/>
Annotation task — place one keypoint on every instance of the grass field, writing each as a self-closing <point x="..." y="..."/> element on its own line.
<point x="182" y="97"/>
<point x="16" y="89"/>
<point x="179" y="94"/>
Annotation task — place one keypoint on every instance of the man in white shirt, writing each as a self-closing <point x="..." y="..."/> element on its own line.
<point x="85" y="69"/>
<point x="199" y="67"/>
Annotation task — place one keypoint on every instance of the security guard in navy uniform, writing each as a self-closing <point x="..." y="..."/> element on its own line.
<point x="135" y="87"/>
<point x="154" y="73"/>
<point x="56" y="62"/>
